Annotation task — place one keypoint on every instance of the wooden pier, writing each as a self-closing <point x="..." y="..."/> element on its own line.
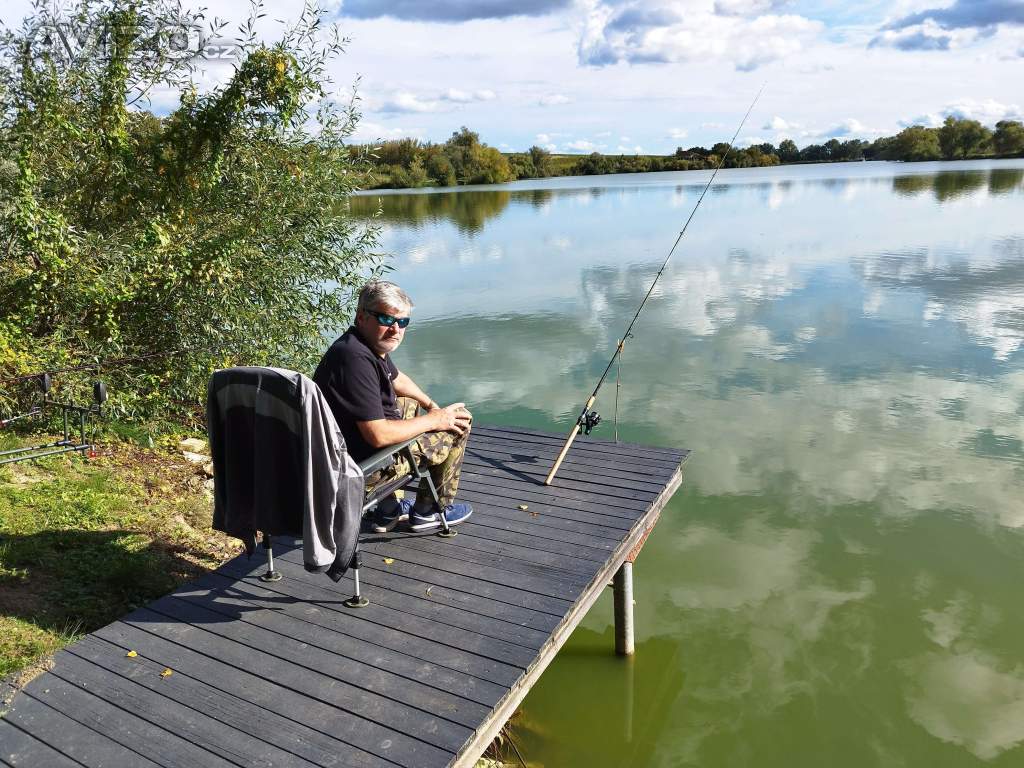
<point x="232" y="671"/>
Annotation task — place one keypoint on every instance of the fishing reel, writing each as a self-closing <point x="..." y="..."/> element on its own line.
<point x="588" y="420"/>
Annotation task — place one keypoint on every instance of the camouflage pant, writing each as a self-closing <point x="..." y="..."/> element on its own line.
<point x="442" y="453"/>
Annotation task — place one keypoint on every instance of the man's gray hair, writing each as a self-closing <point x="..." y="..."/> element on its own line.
<point x="379" y="292"/>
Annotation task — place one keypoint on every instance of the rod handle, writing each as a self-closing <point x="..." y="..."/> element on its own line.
<point x="561" y="456"/>
<point x="568" y="442"/>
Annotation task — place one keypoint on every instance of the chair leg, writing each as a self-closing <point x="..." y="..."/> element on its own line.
<point x="357" y="600"/>
<point x="271" y="574"/>
<point x="446" y="532"/>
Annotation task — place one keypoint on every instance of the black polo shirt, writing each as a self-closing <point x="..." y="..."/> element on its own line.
<point x="358" y="386"/>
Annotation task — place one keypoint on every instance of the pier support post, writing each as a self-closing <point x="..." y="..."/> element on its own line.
<point x="622" y="589"/>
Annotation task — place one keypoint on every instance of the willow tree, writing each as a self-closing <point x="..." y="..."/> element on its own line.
<point x="218" y="227"/>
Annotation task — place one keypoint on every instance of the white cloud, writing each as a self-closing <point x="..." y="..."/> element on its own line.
<point x="463" y="97"/>
<point x="987" y="111"/>
<point x="553" y="100"/>
<point x="369" y="131"/>
<point x="778" y="124"/>
<point x="405" y="101"/>
<point x="624" y="150"/>
<point x="696" y="31"/>
<point x="582" y="145"/>
<point x="677" y="134"/>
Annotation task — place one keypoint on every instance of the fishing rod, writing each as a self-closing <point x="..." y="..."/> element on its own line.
<point x="588" y="419"/>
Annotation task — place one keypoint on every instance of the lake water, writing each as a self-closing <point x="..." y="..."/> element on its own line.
<point x="838" y="581"/>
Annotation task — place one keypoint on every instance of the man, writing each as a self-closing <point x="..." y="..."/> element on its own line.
<point x="375" y="405"/>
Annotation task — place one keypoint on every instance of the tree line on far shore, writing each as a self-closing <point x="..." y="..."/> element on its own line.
<point x="464" y="159"/>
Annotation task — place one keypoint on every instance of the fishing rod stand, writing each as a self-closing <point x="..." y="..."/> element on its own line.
<point x="69" y="411"/>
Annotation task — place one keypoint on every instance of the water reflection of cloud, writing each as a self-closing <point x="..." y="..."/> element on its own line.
<point x="968" y="698"/>
<point x="982" y="291"/>
<point x="756" y="591"/>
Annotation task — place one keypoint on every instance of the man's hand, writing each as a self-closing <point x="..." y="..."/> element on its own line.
<point x="453" y="418"/>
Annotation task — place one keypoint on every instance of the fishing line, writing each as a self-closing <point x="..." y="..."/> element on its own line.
<point x="589" y="419"/>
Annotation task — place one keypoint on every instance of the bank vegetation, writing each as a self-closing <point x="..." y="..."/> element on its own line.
<point x="464" y="159"/>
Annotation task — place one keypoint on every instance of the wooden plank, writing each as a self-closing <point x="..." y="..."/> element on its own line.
<point x="326" y="604"/>
<point x="508" y="557"/>
<point x="476" y="541"/>
<point x="73" y="739"/>
<point x="495" y="512"/>
<point x="612" y="490"/>
<point x="437" y="676"/>
<point x="292" y="743"/>
<point x="548" y="589"/>
<point x="561" y="497"/>
<point x="328" y="592"/>
<point x="144" y="695"/>
<point x="581" y="457"/>
<point x="633" y="504"/>
<point x="485" y="734"/>
<point x="592" y="514"/>
<point x="481" y="645"/>
<point x="319" y="727"/>
<point x="120" y="725"/>
<point x="430" y="574"/>
<point x="371" y="677"/>
<point x="525" y="467"/>
<point x="580" y="460"/>
<point x="365" y="728"/>
<point x="487" y="526"/>
<point x="305" y="661"/>
<point x="425" y="606"/>
<point x="19" y="749"/>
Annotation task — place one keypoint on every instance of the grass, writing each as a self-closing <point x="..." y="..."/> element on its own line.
<point x="84" y="541"/>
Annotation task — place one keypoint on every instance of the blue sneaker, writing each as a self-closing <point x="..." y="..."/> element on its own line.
<point x="454" y="514"/>
<point x="388" y="516"/>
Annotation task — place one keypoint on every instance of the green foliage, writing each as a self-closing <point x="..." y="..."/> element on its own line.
<point x="960" y="138"/>
<point x="914" y="143"/>
<point x="463" y="159"/>
<point x="218" y="229"/>
<point x="788" y="152"/>
<point x="1008" y="138"/>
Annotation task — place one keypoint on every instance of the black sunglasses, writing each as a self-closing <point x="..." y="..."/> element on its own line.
<point x="388" y="320"/>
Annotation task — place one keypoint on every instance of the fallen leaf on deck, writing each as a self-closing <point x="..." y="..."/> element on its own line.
<point x="388" y="560"/>
<point x="428" y="591"/>
<point x="534" y="514"/>
<point x="523" y="507"/>
<point x="167" y="673"/>
<point x="131" y="654"/>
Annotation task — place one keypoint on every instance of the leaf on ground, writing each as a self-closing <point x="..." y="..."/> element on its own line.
<point x="131" y="654"/>
<point x="523" y="507"/>
<point x="167" y="673"/>
<point x="388" y="560"/>
<point x="428" y="591"/>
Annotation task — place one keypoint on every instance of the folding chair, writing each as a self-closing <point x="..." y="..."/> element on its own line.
<point x="379" y="460"/>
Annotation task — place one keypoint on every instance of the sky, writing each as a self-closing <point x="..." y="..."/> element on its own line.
<point x="647" y="76"/>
